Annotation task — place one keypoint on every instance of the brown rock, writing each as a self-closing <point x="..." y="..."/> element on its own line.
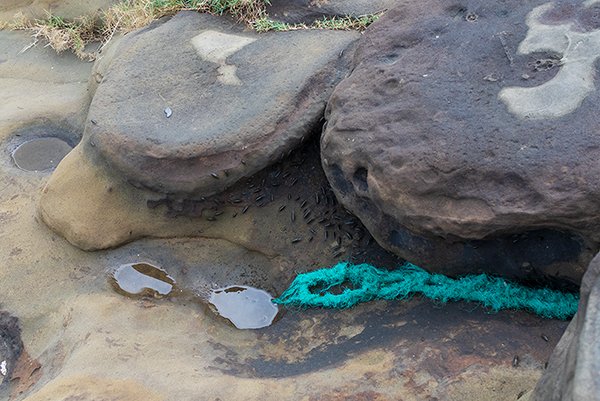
<point x="436" y="141"/>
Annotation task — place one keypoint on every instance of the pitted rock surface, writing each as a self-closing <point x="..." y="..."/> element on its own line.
<point x="574" y="365"/>
<point x="470" y="121"/>
<point x="194" y="104"/>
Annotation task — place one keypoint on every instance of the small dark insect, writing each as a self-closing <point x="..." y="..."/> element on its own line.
<point x="296" y="240"/>
<point x="521" y="394"/>
<point x="259" y="197"/>
<point x="293" y="216"/>
<point x="546" y="365"/>
<point x="310" y="239"/>
<point x="94" y="122"/>
<point x="281" y="207"/>
<point x="234" y="214"/>
<point x="545" y="338"/>
<point x="245" y="209"/>
<point x="214" y="175"/>
<point x="515" y="361"/>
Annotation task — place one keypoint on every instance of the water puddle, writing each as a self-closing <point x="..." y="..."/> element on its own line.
<point x="40" y="154"/>
<point x="246" y="307"/>
<point x="142" y="279"/>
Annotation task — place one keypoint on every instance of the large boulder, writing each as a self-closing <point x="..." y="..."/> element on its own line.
<point x="466" y="137"/>
<point x="185" y="108"/>
<point x="194" y="104"/>
<point x="573" y="369"/>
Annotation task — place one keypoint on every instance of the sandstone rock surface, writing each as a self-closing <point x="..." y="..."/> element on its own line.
<point x="573" y="370"/>
<point x="462" y="124"/>
<point x="196" y="103"/>
<point x="56" y="86"/>
<point x="38" y="9"/>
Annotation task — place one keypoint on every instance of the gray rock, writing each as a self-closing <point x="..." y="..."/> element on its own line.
<point x="307" y="11"/>
<point x="238" y="100"/>
<point x="461" y="126"/>
<point x="573" y="372"/>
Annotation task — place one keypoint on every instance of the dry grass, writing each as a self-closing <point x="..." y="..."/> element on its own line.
<point x="129" y="15"/>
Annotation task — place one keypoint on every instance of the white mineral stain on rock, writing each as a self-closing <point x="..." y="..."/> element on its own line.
<point x="3" y="370"/>
<point x="564" y="93"/>
<point x="215" y="47"/>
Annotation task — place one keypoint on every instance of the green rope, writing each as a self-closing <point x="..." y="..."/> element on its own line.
<point x="362" y="283"/>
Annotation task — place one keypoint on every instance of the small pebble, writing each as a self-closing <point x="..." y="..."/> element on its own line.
<point x="168" y="112"/>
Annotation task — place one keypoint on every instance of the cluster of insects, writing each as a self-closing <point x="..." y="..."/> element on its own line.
<point x="295" y="187"/>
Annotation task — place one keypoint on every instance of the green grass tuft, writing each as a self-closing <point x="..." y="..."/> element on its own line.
<point x="129" y="15"/>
